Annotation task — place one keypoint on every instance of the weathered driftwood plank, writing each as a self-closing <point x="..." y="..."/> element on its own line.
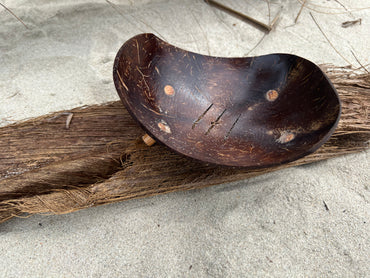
<point x="58" y="164"/>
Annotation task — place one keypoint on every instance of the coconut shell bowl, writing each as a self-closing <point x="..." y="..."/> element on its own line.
<point x="245" y="112"/>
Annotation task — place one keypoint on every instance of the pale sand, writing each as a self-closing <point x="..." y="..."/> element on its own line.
<point x="272" y="225"/>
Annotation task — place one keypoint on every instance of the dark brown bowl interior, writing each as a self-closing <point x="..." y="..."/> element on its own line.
<point x="250" y="112"/>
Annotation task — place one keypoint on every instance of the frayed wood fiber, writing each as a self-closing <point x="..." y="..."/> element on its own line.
<point x="60" y="163"/>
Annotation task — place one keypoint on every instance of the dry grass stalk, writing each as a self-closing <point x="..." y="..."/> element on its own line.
<point x="13" y="14"/>
<point x="99" y="158"/>
<point x="300" y="11"/>
<point x="326" y="37"/>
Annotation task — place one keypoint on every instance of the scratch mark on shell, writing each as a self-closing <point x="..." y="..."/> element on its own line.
<point x="232" y="127"/>
<point x="120" y="79"/>
<point x="138" y="52"/>
<point x="201" y="116"/>
<point x="213" y="124"/>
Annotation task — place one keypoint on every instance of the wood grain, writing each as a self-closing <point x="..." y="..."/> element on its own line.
<point x="48" y="166"/>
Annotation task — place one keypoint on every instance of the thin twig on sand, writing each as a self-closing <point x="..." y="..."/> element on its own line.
<point x="326" y="37"/>
<point x="300" y="10"/>
<point x="351" y="23"/>
<point x="13" y="14"/>
<point x="359" y="62"/>
<point x="114" y="6"/>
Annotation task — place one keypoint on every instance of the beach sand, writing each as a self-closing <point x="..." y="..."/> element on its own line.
<point x="307" y="221"/>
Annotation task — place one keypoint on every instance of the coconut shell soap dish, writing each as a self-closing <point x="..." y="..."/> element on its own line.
<point x="246" y="112"/>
